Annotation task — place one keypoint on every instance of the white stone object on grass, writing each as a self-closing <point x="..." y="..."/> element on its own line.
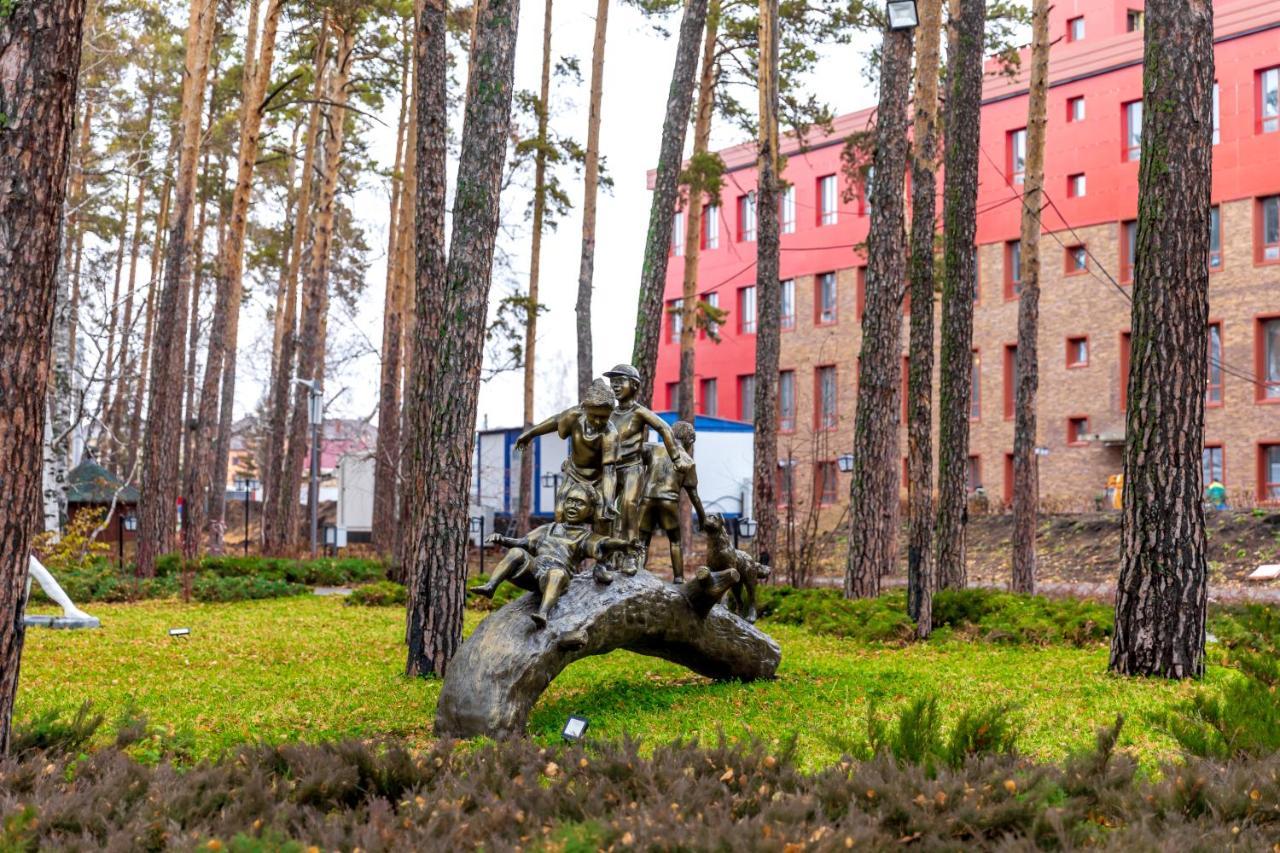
<point x="72" y="616"/>
<point x="1268" y="572"/>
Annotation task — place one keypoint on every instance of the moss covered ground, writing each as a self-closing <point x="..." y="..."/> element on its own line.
<point x="313" y="670"/>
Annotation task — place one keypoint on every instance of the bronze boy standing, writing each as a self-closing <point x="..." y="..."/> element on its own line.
<point x="661" y="504"/>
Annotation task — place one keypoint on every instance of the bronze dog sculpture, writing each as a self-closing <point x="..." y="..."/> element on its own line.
<point x="721" y="556"/>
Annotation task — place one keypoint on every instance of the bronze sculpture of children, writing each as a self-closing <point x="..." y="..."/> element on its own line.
<point x="660" y="506"/>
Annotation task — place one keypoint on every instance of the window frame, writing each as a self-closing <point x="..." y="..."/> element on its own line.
<point x="860" y="292"/>
<point x="975" y="387"/>
<point x="1266" y="390"/>
<point x="1071" y="340"/>
<point x="820" y="314"/>
<point x="673" y="396"/>
<point x="1009" y="369"/>
<point x="824" y="216"/>
<point x="747" y="320"/>
<point x="783" y="425"/>
<point x="1123" y="362"/>
<point x="1072" y="35"/>
<point x="1266" y="252"/>
<point x="710" y="227"/>
<point x="972" y="465"/>
<point x="1015" y="140"/>
<point x="1073" y="434"/>
<point x="747" y="220"/>
<point x="677" y="234"/>
<point x="824" y="420"/>
<point x="1077" y="186"/>
<point x="1128" y="252"/>
<point x="1264" y="485"/>
<point x="1222" y="463"/>
<point x="1266" y="123"/>
<point x="824" y="474"/>
<point x="1215" y="214"/>
<point x="747" y="391"/>
<point x="705" y="385"/>
<point x="1210" y="385"/>
<point x="1130" y="153"/>
<point x="1069" y="262"/>
<point x="1012" y="254"/>
<point x="675" y="322"/>
<point x="787" y="213"/>
<point x="787" y="287"/>
<point x="1072" y="102"/>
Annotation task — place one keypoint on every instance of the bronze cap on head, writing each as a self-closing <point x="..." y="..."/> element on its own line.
<point x="624" y="370"/>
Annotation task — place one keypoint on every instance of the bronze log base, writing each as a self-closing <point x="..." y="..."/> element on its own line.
<point x="505" y="665"/>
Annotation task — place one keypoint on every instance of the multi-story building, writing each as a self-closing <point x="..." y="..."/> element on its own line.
<point x="1086" y="249"/>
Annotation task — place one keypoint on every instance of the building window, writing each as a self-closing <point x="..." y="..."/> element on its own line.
<point x="788" y="307"/>
<point x="786" y="401"/>
<point x="1018" y="155"/>
<point x="1133" y="130"/>
<point x="786" y="482"/>
<point x="1211" y="467"/>
<point x="867" y="184"/>
<point x="1125" y="339"/>
<point x="860" y="293"/>
<point x="709" y="404"/>
<point x="677" y="234"/>
<point x="1217" y="114"/>
<point x="824" y="482"/>
<point x="1269" y="100"/>
<point x="712" y="327"/>
<point x="1270" y="230"/>
<point x="827" y="200"/>
<point x="1128" y="248"/>
<point x="825" y="301"/>
<point x="747" y="217"/>
<point x="974" y="474"/>
<point x="787" y="215"/>
<point x="1012" y="269"/>
<point x="1077" y="260"/>
<point x="975" y="381"/>
<point x="1135" y="21"/>
<point x="1213" y="385"/>
<point x="1215" y="238"/>
<point x="673" y="396"/>
<point x="711" y="226"/>
<point x="1078" y="352"/>
<point x="1075" y="29"/>
<point x="747" y="309"/>
<point x="747" y="397"/>
<point x="1010" y="359"/>
<point x="675" y="310"/>
<point x="1269" y="472"/>
<point x="1075" y="108"/>
<point x="1268" y="349"/>
<point x="1075" y="185"/>
<point x="1077" y="430"/>
<point x="825" y="410"/>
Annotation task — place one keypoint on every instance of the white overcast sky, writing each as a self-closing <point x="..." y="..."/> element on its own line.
<point x="637" y="75"/>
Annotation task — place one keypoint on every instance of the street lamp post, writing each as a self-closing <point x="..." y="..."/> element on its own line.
<point x="246" y="485"/>
<point x="551" y="480"/>
<point x="477" y="527"/>
<point x="316" y="412"/>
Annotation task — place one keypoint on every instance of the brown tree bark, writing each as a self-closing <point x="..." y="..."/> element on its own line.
<point x="693" y="216"/>
<point x="524" y="499"/>
<point x="451" y="320"/>
<point x="386" y="456"/>
<point x="280" y="493"/>
<point x="315" y="297"/>
<point x="148" y="325"/>
<point x="960" y="196"/>
<point x="768" y="293"/>
<point x="1162" y="592"/>
<point x="39" y="56"/>
<point x="653" y="273"/>
<point x="205" y="495"/>
<point x="110" y="366"/>
<point x="591" y="186"/>
<point x="873" y="489"/>
<point x="1026" y="485"/>
<point x="160" y="453"/>
<point x="920" y="576"/>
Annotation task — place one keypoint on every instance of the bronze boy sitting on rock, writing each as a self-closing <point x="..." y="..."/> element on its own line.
<point x="544" y="560"/>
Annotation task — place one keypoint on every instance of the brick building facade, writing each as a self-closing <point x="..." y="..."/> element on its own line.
<point x="1086" y="270"/>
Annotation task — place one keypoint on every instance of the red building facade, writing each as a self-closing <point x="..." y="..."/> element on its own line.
<point x="1091" y="183"/>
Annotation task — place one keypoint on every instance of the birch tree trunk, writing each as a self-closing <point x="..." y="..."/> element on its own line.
<point x="1026" y="479"/>
<point x="920" y="576"/>
<point x="960" y="195"/>
<point x="524" y="502"/>
<point x="873" y="489"/>
<point x="39" y="57"/>
<point x="1163" y="588"/>
<point x="451" y="322"/>
<point x="591" y="186"/>
<point x="653" y="274"/>
<point x="768" y="293"/>
<point x="160" y="453"/>
<point x="281" y="492"/>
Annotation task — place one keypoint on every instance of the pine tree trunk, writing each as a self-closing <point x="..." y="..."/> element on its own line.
<point x="960" y="195"/>
<point x="1026" y="479"/>
<point x="144" y="360"/>
<point x="524" y="503"/>
<point x="586" y="267"/>
<point x="920" y="576"/>
<point x="311" y="349"/>
<point x="1162" y="592"/>
<point x="206" y="496"/>
<point x="280" y="493"/>
<point x="657" y="250"/>
<point x="406" y="249"/>
<point x="103" y="416"/>
<point x="386" y="464"/>
<point x="451" y="321"/>
<point x="39" y="58"/>
<point x="160" y="452"/>
<point x="768" y="293"/>
<point x="873" y="490"/>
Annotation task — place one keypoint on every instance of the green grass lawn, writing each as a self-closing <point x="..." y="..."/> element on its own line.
<point x="311" y="669"/>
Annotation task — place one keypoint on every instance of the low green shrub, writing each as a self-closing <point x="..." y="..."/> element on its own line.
<point x="388" y="795"/>
<point x="54" y="732"/>
<point x="378" y="594"/>
<point x="323" y="571"/>
<point x="214" y="588"/>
